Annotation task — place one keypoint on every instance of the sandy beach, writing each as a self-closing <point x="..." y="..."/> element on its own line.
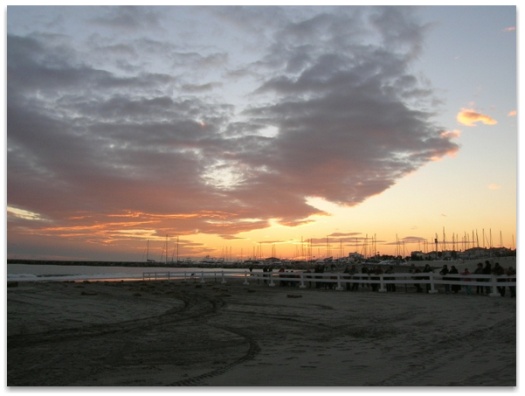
<point x="176" y="333"/>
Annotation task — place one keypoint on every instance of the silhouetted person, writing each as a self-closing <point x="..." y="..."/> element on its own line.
<point x="455" y="288"/>
<point x="479" y="271"/>
<point x="444" y="271"/>
<point x="428" y="269"/>
<point x="353" y="271"/>
<point x="319" y="269"/>
<point x="377" y="271"/>
<point x="487" y="270"/>
<point x="365" y="271"/>
<point x="468" y="288"/>
<point x="390" y="286"/>
<point x="511" y="273"/>
<point x="499" y="271"/>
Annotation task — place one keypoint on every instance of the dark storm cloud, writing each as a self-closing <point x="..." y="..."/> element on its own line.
<point x="333" y="112"/>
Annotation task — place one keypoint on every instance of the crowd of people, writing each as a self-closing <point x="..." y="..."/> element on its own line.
<point x="466" y="276"/>
<point x="368" y="277"/>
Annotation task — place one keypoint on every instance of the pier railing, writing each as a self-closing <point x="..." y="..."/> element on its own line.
<point x="340" y="281"/>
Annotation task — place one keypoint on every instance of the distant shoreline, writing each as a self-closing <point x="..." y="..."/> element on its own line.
<point x="109" y="263"/>
<point x="508" y="260"/>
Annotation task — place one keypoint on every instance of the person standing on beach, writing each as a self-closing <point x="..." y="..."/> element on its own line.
<point x="390" y="286"/>
<point x="366" y="275"/>
<point x="353" y="271"/>
<point x="444" y="271"/>
<point x="455" y="288"/>
<point x="468" y="288"/>
<point x="479" y="271"/>
<point x="427" y="269"/>
<point x="487" y="270"/>
<point x="414" y="270"/>
<point x="377" y="272"/>
<point x="319" y="269"/>
<point x="499" y="271"/>
<point x="511" y="274"/>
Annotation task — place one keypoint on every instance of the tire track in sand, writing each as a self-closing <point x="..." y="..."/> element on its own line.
<point x="197" y="306"/>
<point x="253" y="350"/>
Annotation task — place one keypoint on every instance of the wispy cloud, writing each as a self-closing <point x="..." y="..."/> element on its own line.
<point x="512" y="113"/>
<point x="470" y="117"/>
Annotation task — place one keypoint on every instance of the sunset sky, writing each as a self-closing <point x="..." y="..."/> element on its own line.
<point x="241" y="131"/>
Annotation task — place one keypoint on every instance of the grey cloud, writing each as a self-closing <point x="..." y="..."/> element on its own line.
<point x="34" y="67"/>
<point x="199" y="60"/>
<point x="348" y="114"/>
<point x="118" y="50"/>
<point x="129" y="19"/>
<point x="344" y="122"/>
<point x="192" y="88"/>
<point x="399" y="30"/>
<point x="256" y="21"/>
<point x="96" y="142"/>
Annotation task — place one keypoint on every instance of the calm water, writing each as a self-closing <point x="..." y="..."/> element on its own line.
<point x="40" y="272"/>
